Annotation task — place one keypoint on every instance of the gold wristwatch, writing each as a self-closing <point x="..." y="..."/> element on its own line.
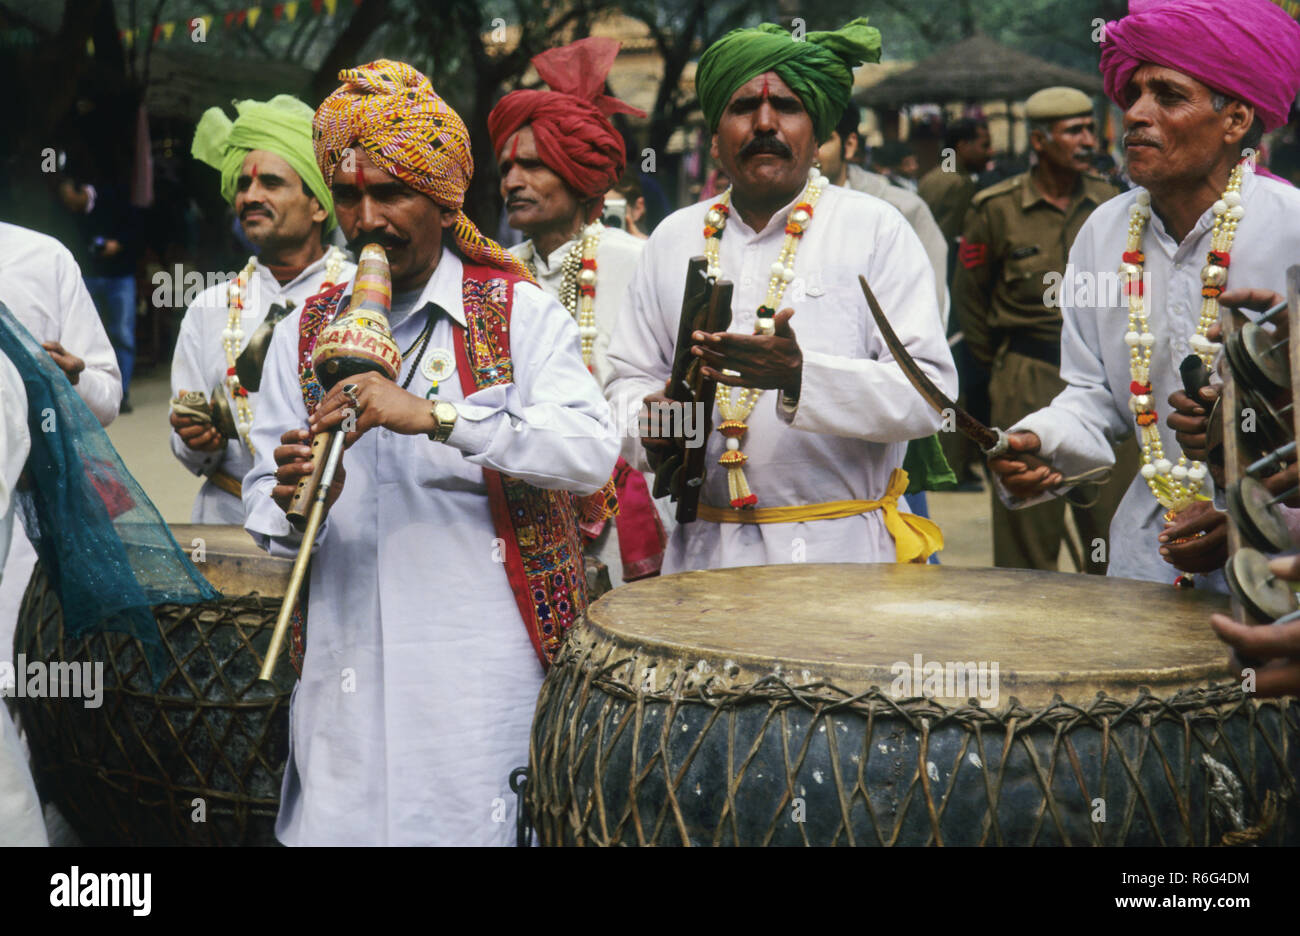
<point x="444" y="415"/>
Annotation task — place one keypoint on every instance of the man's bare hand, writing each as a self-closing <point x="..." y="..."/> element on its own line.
<point x="380" y="402"/>
<point x="1257" y="300"/>
<point x="294" y="462"/>
<point x="200" y="436"/>
<point x="1190" y="419"/>
<point x="1203" y="553"/>
<point x="1277" y="643"/>
<point x="68" y="362"/>
<point x="1024" y="479"/>
<point x="656" y="448"/>
<point x="768" y="362"/>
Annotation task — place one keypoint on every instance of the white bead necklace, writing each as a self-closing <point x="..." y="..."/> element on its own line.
<point x="736" y="409"/>
<point x="232" y="336"/>
<point x="1175" y="486"/>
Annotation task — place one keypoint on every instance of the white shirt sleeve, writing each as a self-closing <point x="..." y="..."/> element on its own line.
<point x="550" y="426"/>
<point x="280" y="408"/>
<point x="1079" y="428"/>
<point x="188" y="374"/>
<point x="82" y="334"/>
<point x="870" y="398"/>
<point x="15" y="443"/>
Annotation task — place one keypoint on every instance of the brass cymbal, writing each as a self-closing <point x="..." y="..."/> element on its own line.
<point x="1251" y="509"/>
<point x="223" y="418"/>
<point x="1270" y="367"/>
<point x="1264" y="596"/>
<point x="1271" y="431"/>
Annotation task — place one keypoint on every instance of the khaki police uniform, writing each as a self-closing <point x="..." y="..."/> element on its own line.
<point x="1014" y="238"/>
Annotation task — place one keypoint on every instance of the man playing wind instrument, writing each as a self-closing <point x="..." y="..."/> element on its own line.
<point x="813" y="414"/>
<point x="449" y="567"/>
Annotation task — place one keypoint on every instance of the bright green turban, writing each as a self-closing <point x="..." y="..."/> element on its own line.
<point x="281" y="125"/>
<point x="818" y="68"/>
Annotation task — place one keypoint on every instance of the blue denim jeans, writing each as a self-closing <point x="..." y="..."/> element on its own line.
<point x="114" y="297"/>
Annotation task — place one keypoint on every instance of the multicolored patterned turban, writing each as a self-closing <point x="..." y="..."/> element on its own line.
<point x="571" y="121"/>
<point x="392" y="112"/>
<point x="281" y="126"/>
<point x="818" y="68"/>
<point x="1247" y="49"/>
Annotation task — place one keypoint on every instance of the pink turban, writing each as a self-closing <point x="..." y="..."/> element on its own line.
<point x="1246" y="49"/>
<point x="571" y="127"/>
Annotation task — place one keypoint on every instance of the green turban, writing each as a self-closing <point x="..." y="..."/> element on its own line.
<point x="818" y="68"/>
<point x="281" y="126"/>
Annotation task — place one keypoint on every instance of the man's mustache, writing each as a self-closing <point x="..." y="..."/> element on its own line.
<point x="387" y="241"/>
<point x="765" y="144"/>
<point x="255" y="206"/>
<point x="1136" y="139"/>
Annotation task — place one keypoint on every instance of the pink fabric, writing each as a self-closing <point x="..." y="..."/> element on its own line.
<point x="1248" y="49"/>
<point x="570" y="122"/>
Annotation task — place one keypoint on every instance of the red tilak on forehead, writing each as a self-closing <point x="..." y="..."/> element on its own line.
<point x="254" y="170"/>
<point x="514" y="149"/>
<point x="358" y="178"/>
<point x="765" y="79"/>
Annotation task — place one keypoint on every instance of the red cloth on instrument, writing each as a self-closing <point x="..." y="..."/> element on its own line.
<point x="571" y="121"/>
<point x="641" y="536"/>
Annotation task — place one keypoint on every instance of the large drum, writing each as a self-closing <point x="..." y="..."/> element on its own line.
<point x="196" y="761"/>
<point x="906" y="705"/>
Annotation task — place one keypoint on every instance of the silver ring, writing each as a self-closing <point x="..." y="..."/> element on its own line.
<point x="350" y="391"/>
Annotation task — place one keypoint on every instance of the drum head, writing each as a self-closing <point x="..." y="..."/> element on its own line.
<point x="231" y="561"/>
<point x="852" y="625"/>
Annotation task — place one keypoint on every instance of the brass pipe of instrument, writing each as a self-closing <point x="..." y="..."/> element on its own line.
<point x="357" y="342"/>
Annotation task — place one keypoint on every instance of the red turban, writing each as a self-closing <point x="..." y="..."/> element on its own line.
<point x="570" y="122"/>
<point x="1246" y="49"/>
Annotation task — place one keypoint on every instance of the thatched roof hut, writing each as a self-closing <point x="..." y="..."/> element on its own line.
<point x="976" y="69"/>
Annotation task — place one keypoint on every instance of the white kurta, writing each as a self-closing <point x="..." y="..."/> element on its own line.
<point x="856" y="410"/>
<point x="21" y="822"/>
<point x="42" y="286"/>
<point x="199" y="363"/>
<point x="1092" y="414"/>
<point x="617" y="253"/>
<point x="420" y="679"/>
<point x="918" y="215"/>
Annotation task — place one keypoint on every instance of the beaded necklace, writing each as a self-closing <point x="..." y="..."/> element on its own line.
<point x="1175" y="486"/>
<point x="736" y="409"/>
<point x="578" y="284"/>
<point x="232" y="336"/>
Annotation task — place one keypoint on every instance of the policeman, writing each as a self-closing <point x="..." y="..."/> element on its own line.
<point x="1017" y="234"/>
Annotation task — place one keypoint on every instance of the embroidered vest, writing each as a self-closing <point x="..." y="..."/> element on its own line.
<point x="543" y="559"/>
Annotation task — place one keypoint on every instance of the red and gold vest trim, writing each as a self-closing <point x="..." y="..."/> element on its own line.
<point x="543" y="560"/>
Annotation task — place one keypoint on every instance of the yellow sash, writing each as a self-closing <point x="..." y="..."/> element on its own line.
<point x="915" y="538"/>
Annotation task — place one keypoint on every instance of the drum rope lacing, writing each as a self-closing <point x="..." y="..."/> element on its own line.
<point x="615" y="674"/>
